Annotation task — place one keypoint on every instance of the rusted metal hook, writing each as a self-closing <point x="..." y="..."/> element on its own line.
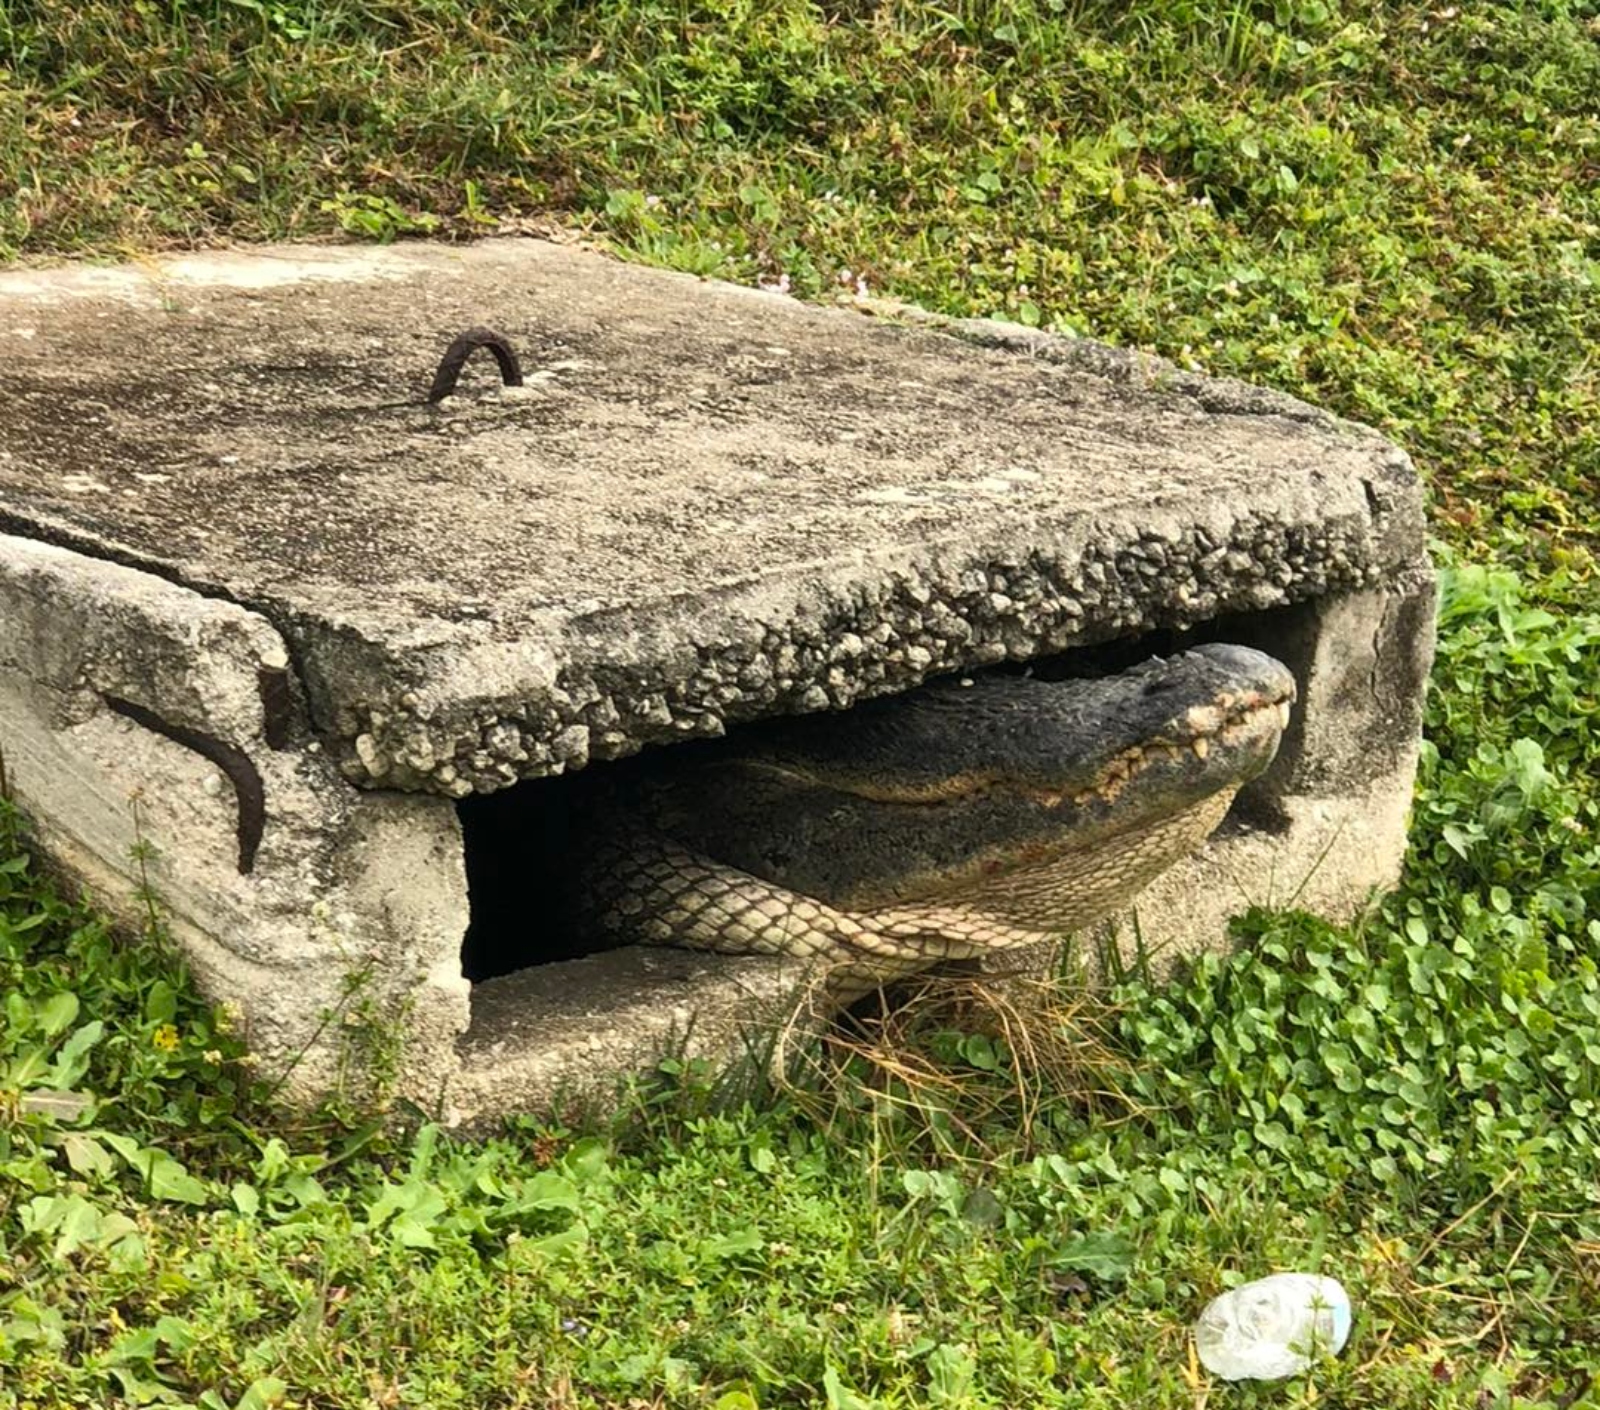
<point x="444" y="380"/>
<point x="242" y="773"/>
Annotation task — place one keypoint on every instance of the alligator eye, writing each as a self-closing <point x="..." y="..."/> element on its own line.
<point x="1160" y="685"/>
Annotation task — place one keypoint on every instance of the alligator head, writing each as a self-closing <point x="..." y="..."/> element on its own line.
<point x="1043" y="804"/>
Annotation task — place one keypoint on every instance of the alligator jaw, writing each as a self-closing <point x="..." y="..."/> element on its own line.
<point x="1059" y="861"/>
<point x="1250" y="726"/>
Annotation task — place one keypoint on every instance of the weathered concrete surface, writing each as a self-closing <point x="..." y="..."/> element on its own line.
<point x="543" y="1038"/>
<point x="710" y="503"/>
<point x="253" y="587"/>
<point x="339" y="886"/>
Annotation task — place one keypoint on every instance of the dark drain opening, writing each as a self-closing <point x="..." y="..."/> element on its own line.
<point x="518" y="846"/>
<point x="521" y="846"/>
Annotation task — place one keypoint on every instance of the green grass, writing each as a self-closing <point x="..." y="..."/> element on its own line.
<point x="1393" y="210"/>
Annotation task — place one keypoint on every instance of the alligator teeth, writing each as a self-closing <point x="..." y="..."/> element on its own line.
<point x="1201" y="747"/>
<point x="1283" y="713"/>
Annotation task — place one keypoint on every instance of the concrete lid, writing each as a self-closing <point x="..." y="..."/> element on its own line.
<point x="708" y="504"/>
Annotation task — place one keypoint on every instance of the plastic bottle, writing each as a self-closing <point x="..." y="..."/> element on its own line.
<point x="1273" y="1327"/>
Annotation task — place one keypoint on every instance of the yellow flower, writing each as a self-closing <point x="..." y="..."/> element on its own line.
<point x="165" y="1038"/>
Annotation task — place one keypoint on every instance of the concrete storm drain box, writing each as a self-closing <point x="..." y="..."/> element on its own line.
<point x="336" y="652"/>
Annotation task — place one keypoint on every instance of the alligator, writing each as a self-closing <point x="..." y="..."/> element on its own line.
<point x="968" y="816"/>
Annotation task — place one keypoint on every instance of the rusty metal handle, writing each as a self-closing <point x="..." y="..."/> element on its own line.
<point x="444" y="380"/>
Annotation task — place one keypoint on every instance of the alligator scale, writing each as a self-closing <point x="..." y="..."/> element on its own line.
<point x="965" y="817"/>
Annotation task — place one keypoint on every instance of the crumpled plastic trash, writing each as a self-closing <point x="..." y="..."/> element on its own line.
<point x="1273" y="1328"/>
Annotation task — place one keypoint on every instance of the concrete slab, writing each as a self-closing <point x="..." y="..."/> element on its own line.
<point x="707" y="505"/>
<point x="265" y="609"/>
